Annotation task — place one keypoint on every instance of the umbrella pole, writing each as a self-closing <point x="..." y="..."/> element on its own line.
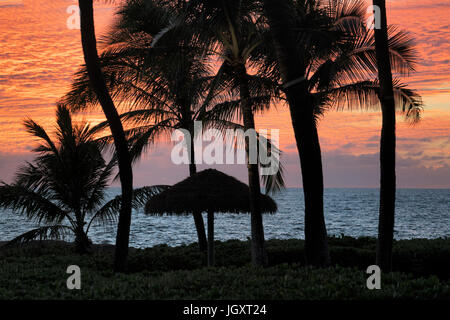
<point x="210" y="238"/>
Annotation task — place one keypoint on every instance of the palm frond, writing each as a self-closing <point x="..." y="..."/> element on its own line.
<point x="273" y="183"/>
<point x="53" y="232"/>
<point x="30" y="203"/>
<point x="364" y="95"/>
<point x="97" y="191"/>
<point x="38" y="131"/>
<point x="107" y="214"/>
<point x="142" y="137"/>
<point x="142" y="195"/>
<point x="110" y="211"/>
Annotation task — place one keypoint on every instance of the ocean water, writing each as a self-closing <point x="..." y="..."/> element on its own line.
<point x="421" y="213"/>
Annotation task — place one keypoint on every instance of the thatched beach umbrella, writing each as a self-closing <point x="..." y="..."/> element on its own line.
<point x="207" y="191"/>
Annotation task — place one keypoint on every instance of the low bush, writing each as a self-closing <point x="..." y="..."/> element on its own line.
<point x="162" y="272"/>
<point x="420" y="257"/>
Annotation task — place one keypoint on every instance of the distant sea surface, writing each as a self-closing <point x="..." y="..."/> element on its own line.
<point x="421" y="213"/>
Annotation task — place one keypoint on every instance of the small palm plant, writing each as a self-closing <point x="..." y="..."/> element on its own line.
<point x="66" y="182"/>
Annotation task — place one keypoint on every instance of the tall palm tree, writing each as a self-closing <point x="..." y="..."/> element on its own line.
<point x="89" y="44"/>
<point x="326" y="58"/>
<point x="293" y="69"/>
<point x="163" y="75"/>
<point x="66" y="182"/>
<point x="234" y="32"/>
<point x="387" y="143"/>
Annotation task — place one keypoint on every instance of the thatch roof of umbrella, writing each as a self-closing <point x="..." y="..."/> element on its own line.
<point x="208" y="190"/>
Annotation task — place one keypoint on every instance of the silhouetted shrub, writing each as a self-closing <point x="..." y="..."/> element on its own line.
<point x="163" y="272"/>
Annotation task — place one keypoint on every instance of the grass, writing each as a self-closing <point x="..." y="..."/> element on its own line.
<point x="162" y="272"/>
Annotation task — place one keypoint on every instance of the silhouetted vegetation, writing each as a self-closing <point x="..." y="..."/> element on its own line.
<point x="161" y="272"/>
<point x="63" y="189"/>
<point x="220" y="62"/>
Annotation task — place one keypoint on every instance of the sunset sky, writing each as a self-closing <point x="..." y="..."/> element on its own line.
<point x="39" y="55"/>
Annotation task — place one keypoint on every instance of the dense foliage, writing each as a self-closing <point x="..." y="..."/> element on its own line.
<point x="164" y="272"/>
<point x="64" y="188"/>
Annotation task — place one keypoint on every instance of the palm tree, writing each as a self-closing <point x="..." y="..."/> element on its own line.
<point x="66" y="182"/>
<point x="163" y="75"/>
<point x="326" y="58"/>
<point x="89" y="43"/>
<point x="235" y="37"/>
<point x="293" y="70"/>
<point x="387" y="143"/>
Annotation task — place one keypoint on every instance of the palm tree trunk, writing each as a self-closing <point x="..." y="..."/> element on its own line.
<point x="387" y="145"/>
<point x="198" y="218"/>
<point x="210" y="238"/>
<point x="259" y="256"/>
<point x="126" y="174"/>
<point x="303" y="122"/>
<point x="82" y="242"/>
<point x="308" y="146"/>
